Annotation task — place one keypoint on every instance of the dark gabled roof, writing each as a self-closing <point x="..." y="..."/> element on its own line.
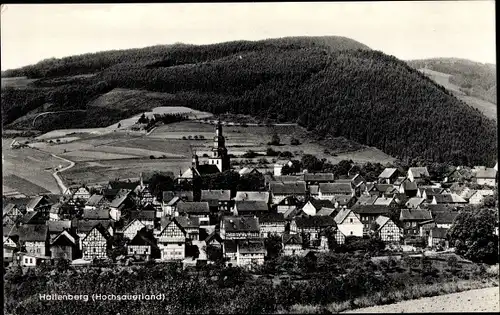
<point x="185" y="195"/>
<point x="444" y="217"/>
<point x="216" y="194"/>
<point x="251" y="247"/>
<point x="97" y="214"/>
<point x="239" y="223"/>
<point x="431" y="191"/>
<point x="419" y="172"/>
<point x="124" y="185"/>
<point x="246" y="206"/>
<point x="63" y="238"/>
<point x="120" y="198"/>
<point x="407" y="185"/>
<point x="200" y="207"/>
<point x="33" y="217"/>
<point x="341" y="215"/>
<point x="318" y="177"/>
<point x="370" y="209"/>
<point x="318" y="204"/>
<point x="143" y="215"/>
<point x="388" y="173"/>
<point x="439" y="232"/>
<point x="32" y="232"/>
<point x="382" y="187"/>
<point x="110" y="194"/>
<point x="414" y="215"/>
<point x="94" y="200"/>
<point x="19" y="202"/>
<point x="271" y="217"/>
<point x="206" y="169"/>
<point x="187" y="222"/>
<point x="252" y="196"/>
<point x="286" y="178"/>
<point x="292" y="239"/>
<point x="143" y="239"/>
<point x="449" y="198"/>
<point x="288" y="188"/>
<point x="85" y="226"/>
<point x="316" y="221"/>
<point x="335" y="188"/>
<point x="289" y="201"/>
<point x="439" y="207"/>
<point x="366" y="200"/>
<point x="59" y="226"/>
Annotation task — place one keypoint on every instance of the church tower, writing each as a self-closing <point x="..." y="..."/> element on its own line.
<point x="219" y="152"/>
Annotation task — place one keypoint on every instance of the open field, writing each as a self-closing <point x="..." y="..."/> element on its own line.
<point x="16" y="82"/>
<point x="480" y="300"/>
<point x="28" y="170"/>
<point x="485" y="107"/>
<point x="124" y="154"/>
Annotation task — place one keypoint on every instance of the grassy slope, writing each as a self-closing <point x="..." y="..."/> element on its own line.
<point x="361" y="95"/>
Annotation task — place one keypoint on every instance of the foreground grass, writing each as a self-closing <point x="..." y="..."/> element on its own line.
<point x="411" y="292"/>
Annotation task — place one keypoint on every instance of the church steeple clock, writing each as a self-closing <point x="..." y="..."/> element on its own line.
<point x="219" y="156"/>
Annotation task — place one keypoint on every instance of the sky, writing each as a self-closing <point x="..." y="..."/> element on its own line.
<point x="407" y="30"/>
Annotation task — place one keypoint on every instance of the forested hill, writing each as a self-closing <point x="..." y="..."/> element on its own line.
<point x="473" y="78"/>
<point x="331" y="85"/>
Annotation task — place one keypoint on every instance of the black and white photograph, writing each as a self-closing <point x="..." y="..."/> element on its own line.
<point x="249" y="158"/>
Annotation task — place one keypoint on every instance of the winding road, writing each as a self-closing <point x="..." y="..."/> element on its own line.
<point x="59" y="181"/>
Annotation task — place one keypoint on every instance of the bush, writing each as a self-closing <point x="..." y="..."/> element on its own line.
<point x="184" y="138"/>
<point x="294" y="141"/>
<point x="152" y="157"/>
<point x="250" y="154"/>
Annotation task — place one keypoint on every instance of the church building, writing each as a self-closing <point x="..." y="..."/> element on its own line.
<point x="218" y="161"/>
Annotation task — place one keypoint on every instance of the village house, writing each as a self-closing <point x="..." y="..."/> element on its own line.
<point x="9" y="247"/>
<point x="33" y="217"/>
<point x="387" y="230"/>
<point x="417" y="174"/>
<point x="486" y="176"/>
<point x="248" y="171"/>
<point x="272" y="223"/>
<point x="349" y="224"/>
<point x="257" y="208"/>
<point x="327" y="191"/>
<point x="388" y="176"/>
<point x="450" y="199"/>
<point x="250" y="253"/>
<point x="172" y="241"/>
<point x="444" y="219"/>
<point x="57" y="227"/>
<point x="214" y="239"/>
<point x="414" y="203"/>
<point x="312" y="226"/>
<point x="197" y="170"/>
<point x="230" y="252"/>
<point x="425" y="227"/>
<point x="84" y="227"/>
<point x="55" y="212"/>
<point x="313" y="191"/>
<point x="478" y="196"/>
<point x="317" y="178"/>
<point x="96" y="243"/>
<point x="191" y="226"/>
<point x="144" y="245"/>
<point x="11" y="214"/>
<point x="287" y="204"/>
<point x="29" y="260"/>
<point x="366" y="200"/>
<point x="278" y="167"/>
<point x="193" y="209"/>
<point x="438" y="237"/>
<point x="122" y="201"/>
<point x="253" y="196"/>
<point x="82" y="193"/>
<point x="270" y="178"/>
<point x="292" y="244"/>
<point x="314" y="205"/>
<point x="218" y="200"/>
<point x="408" y="188"/>
<point x="63" y="246"/>
<point x="146" y="216"/>
<point x="280" y="191"/>
<point x="368" y="214"/>
<point x="131" y="229"/>
<point x="172" y="198"/>
<point x="235" y="228"/>
<point x="429" y="192"/>
<point x="40" y="204"/>
<point x="378" y="190"/>
<point x="96" y="202"/>
<point x="96" y="214"/>
<point x="459" y="174"/>
<point x="34" y="238"/>
<point x="410" y="218"/>
<point x="385" y="201"/>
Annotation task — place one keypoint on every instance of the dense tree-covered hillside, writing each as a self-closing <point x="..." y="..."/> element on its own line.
<point x="344" y="90"/>
<point x="474" y="78"/>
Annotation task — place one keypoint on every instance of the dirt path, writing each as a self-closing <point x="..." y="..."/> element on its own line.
<point x="480" y="300"/>
<point x="59" y="181"/>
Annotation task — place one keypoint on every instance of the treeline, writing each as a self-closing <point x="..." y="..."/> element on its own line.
<point x="362" y="95"/>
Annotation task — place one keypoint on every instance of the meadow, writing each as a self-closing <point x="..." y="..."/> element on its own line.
<point x="124" y="154"/>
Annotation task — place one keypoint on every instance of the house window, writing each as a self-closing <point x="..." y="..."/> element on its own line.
<point x="31" y="260"/>
<point x="351" y="231"/>
<point x="94" y="250"/>
<point x="350" y="220"/>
